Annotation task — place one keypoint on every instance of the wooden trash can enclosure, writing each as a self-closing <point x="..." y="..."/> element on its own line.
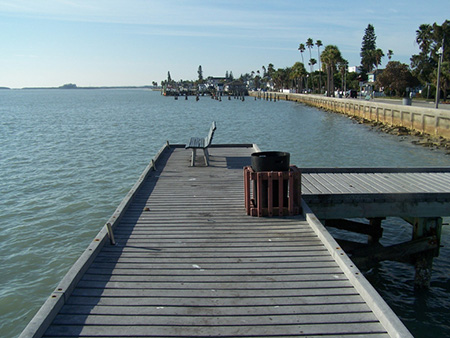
<point x="271" y="186"/>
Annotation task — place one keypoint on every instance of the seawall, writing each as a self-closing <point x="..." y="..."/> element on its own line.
<point x="435" y="122"/>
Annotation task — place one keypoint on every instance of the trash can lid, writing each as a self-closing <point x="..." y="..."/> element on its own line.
<point x="270" y="161"/>
<point x="270" y="154"/>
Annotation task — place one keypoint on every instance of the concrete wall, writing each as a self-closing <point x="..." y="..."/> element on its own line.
<point x="435" y="122"/>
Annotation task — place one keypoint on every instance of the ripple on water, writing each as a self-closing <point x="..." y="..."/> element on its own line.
<point x="69" y="157"/>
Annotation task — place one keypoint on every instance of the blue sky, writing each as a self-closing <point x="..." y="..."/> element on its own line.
<point x="134" y="42"/>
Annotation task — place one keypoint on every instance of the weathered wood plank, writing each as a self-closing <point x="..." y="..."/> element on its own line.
<point x="335" y="180"/>
<point x="251" y="319"/>
<point x="352" y="185"/>
<point x="317" y="182"/>
<point x="363" y="183"/>
<point x="216" y="310"/>
<point x="189" y="262"/>
<point x="289" y="299"/>
<point x="229" y="278"/>
<point x="236" y="330"/>
<point x="243" y="251"/>
<point x="310" y="276"/>
<point x="211" y="295"/>
<point x="234" y="261"/>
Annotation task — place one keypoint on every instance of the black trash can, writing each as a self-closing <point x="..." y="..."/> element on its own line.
<point x="271" y="161"/>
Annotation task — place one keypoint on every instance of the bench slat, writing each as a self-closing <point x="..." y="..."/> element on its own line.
<point x="196" y="142"/>
<point x="201" y="143"/>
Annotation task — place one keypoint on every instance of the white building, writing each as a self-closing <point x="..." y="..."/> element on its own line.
<point x="354" y="69"/>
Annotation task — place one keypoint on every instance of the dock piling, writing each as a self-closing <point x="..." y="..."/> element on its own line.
<point x="423" y="262"/>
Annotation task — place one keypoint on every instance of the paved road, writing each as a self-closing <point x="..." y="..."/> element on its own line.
<point x="416" y="103"/>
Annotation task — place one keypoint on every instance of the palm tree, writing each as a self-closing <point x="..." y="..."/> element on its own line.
<point x="302" y="48"/>
<point x="330" y="58"/>
<point x="389" y="54"/>
<point x="424" y="37"/>
<point x="270" y="70"/>
<point x="343" y="66"/>
<point x="319" y="44"/>
<point x="378" y="54"/>
<point x="310" y="44"/>
<point x="311" y="63"/>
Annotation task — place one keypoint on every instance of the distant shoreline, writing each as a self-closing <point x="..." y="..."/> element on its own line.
<point x="74" y="88"/>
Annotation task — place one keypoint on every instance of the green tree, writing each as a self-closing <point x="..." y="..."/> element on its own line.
<point x="298" y="73"/>
<point x="353" y="80"/>
<point x="200" y="74"/>
<point x="441" y="36"/>
<point x="396" y="77"/>
<point x="390" y="53"/>
<point x="311" y="63"/>
<point x="310" y="44"/>
<point x="444" y="82"/>
<point x="319" y="44"/>
<point x="330" y="57"/>
<point x="378" y="54"/>
<point x="302" y="48"/>
<point x="368" y="57"/>
<point x="343" y="66"/>
<point x="281" y="78"/>
<point x="424" y="37"/>
<point x="429" y="39"/>
<point x="422" y="63"/>
<point x="270" y="70"/>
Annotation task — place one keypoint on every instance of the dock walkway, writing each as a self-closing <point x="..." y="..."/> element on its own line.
<point x="189" y="262"/>
<point x="377" y="192"/>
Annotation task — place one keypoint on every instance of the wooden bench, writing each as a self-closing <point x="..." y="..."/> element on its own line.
<point x="201" y="143"/>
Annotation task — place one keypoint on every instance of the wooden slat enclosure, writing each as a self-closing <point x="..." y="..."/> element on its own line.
<point x="189" y="262"/>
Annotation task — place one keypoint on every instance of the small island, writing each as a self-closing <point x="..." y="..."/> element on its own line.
<point x="69" y="86"/>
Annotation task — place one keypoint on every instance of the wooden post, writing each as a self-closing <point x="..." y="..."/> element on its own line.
<point x="270" y="201"/>
<point x="110" y="234"/>
<point x="281" y="193"/>
<point x="376" y="230"/>
<point x="423" y="262"/>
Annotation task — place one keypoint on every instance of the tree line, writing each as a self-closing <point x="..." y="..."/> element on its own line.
<point x="396" y="79"/>
<point x="332" y="73"/>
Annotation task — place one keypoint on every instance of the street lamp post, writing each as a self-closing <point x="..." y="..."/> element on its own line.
<point x="440" y="52"/>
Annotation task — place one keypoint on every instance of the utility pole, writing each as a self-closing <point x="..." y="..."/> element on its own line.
<point x="441" y="56"/>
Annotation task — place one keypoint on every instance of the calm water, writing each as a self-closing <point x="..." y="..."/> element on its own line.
<point x="68" y="157"/>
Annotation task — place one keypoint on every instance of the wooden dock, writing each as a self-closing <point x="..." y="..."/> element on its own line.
<point x="377" y="192"/>
<point x="189" y="262"/>
<point x="421" y="196"/>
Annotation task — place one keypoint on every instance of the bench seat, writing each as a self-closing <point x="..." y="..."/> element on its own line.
<point x="196" y="142"/>
<point x="201" y="143"/>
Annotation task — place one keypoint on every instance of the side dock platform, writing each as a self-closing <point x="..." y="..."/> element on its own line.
<point x="188" y="262"/>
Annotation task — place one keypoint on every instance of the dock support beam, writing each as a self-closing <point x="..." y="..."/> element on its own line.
<point x="420" y="251"/>
<point x="373" y="230"/>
